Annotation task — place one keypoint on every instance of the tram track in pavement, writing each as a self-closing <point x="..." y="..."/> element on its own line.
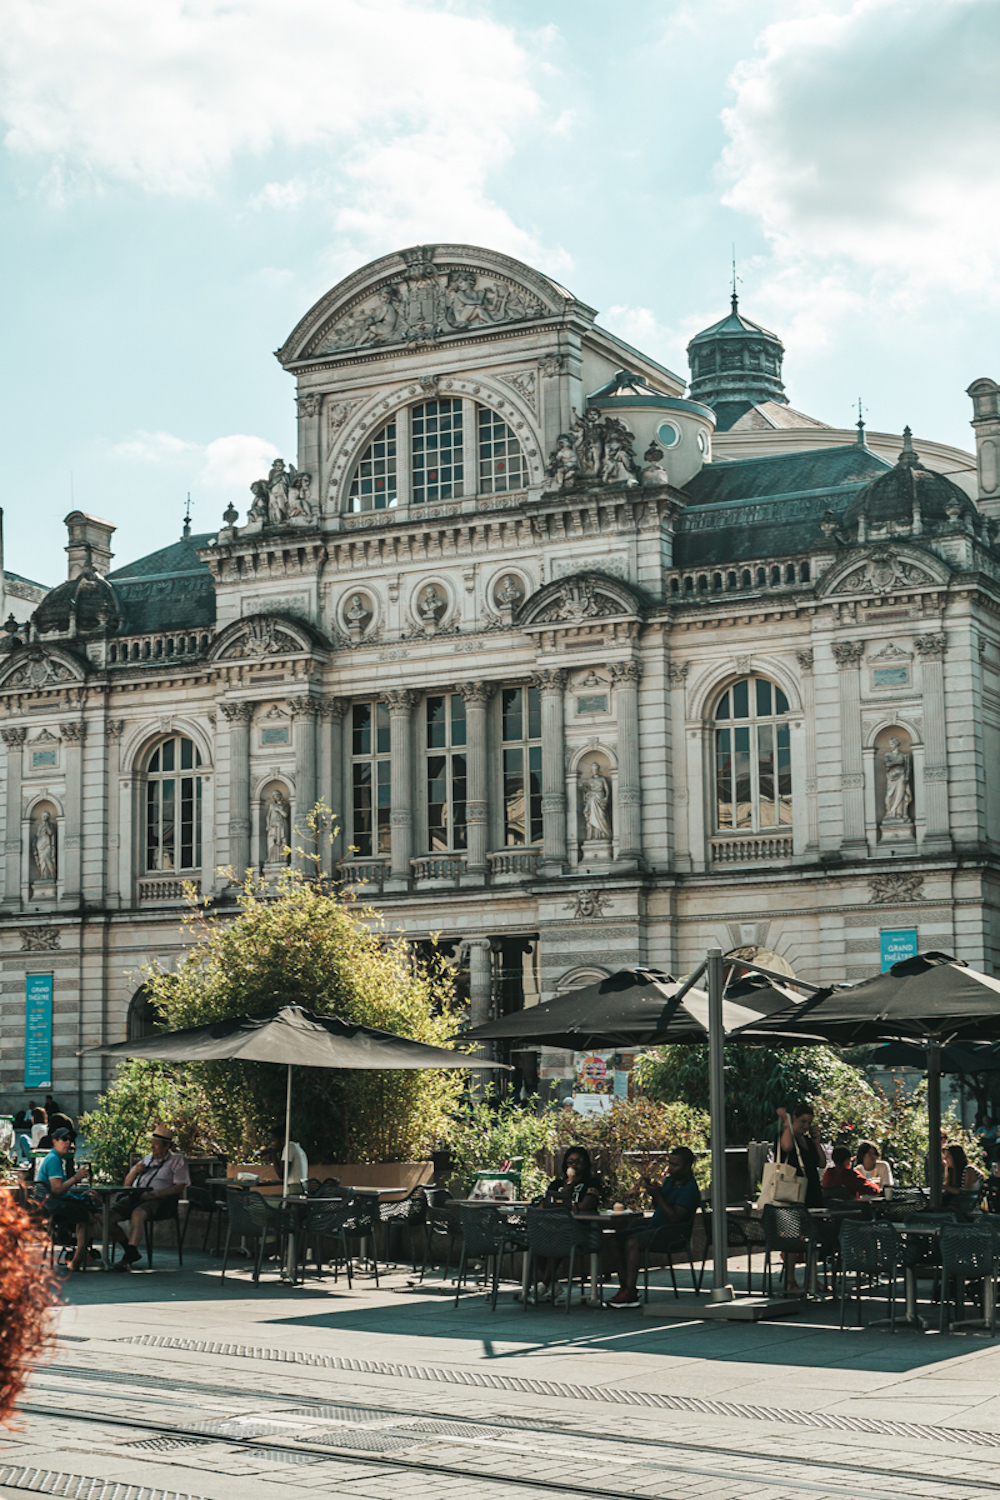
<point x="490" y="1449"/>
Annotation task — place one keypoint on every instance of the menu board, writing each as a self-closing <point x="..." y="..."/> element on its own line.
<point x="38" y="1031"/>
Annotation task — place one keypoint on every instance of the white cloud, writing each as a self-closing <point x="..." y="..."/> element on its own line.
<point x="864" y="140"/>
<point x="223" y="464"/>
<point x="641" y="327"/>
<point x="409" y="104"/>
<point x="153" y="448"/>
<point x="236" y="460"/>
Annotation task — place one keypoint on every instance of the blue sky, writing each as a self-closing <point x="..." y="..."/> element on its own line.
<point x="180" y="181"/>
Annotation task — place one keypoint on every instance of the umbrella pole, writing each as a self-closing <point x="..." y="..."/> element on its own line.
<point x="288" y="1128"/>
<point x="721" y="1290"/>
<point x="934" y="1165"/>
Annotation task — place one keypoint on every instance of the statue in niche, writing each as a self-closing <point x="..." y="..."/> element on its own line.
<point x="357" y="616"/>
<point x="897" y="781"/>
<point x="43" y="847"/>
<point x="430" y="608"/>
<point x="596" y="793"/>
<point x="277" y="829"/>
<point x="508" y="596"/>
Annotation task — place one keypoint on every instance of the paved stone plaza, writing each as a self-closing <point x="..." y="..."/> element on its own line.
<point x="167" y="1384"/>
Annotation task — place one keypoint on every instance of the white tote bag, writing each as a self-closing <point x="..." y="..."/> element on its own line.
<point x="781" y="1183"/>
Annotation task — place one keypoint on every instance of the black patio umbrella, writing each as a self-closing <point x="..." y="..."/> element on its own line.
<point x="633" y="1008"/>
<point x="932" y="999"/>
<point x="297" y="1038"/>
<point x="963" y="1057"/>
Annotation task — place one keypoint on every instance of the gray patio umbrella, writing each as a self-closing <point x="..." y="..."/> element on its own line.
<point x="297" y="1038"/>
<point x="932" y="1000"/>
<point x="632" y="1008"/>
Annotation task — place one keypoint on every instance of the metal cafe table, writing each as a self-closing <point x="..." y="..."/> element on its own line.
<point x="607" y="1219"/>
<point x="106" y="1191"/>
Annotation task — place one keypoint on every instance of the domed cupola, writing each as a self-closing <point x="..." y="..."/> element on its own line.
<point x="85" y="605"/>
<point x="908" y="500"/>
<point x="735" y="365"/>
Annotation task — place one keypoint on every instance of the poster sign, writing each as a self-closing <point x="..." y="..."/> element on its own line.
<point x="897" y="945"/>
<point x="38" y="1031"/>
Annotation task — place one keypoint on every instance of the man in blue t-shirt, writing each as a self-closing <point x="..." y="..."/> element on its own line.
<point x="675" y="1203"/>
<point x="61" y="1196"/>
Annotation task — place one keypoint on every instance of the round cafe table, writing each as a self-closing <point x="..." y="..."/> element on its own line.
<point x="106" y="1191"/>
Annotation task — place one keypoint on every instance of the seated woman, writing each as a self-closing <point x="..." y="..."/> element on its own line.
<point x="675" y="1203"/>
<point x="577" y="1190"/>
<point x="72" y="1209"/>
<point x="843" y="1175"/>
<point x="868" y="1161"/>
<point x="959" y="1175"/>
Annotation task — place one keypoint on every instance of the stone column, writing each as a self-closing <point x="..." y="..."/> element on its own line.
<point x="239" y="717"/>
<point x="552" y="684"/>
<point x="625" y="679"/>
<point x="477" y="813"/>
<point x="937" y="828"/>
<point x="310" y="407"/>
<point x="847" y="655"/>
<point x="805" y="661"/>
<point x="480" y="981"/>
<point x="401" y="702"/>
<point x="304" y="711"/>
<point x="114" y="730"/>
<point x="331" y="789"/>
<point x="13" y="738"/>
<point x="73" y="735"/>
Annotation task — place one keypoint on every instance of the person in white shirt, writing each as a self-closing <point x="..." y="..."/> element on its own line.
<point x="298" y="1164"/>
<point x="869" y="1162"/>
<point x="39" y="1126"/>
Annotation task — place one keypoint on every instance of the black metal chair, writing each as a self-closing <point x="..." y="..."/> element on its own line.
<point x="169" y="1214"/>
<point x="555" y="1234"/>
<point x="968" y="1253"/>
<point x="487" y="1235"/>
<point x="361" y="1222"/>
<point x="329" y="1218"/>
<point x="788" y="1230"/>
<point x="203" y="1200"/>
<point x="441" y="1219"/>
<point x="742" y="1233"/>
<point x="667" y="1240"/>
<point x="252" y="1217"/>
<point x="399" y="1214"/>
<point x="871" y="1250"/>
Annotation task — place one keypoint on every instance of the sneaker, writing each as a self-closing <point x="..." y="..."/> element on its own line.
<point x="538" y="1293"/>
<point x="561" y="1294"/>
<point x="624" y="1298"/>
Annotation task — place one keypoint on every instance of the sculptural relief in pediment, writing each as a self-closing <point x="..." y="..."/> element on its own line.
<point x="427" y="301"/>
<point x="884" y="570"/>
<point x="35" y="670"/>
<point x="577" y="600"/>
<point x="260" y="636"/>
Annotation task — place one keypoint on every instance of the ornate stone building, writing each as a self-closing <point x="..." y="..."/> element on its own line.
<point x="592" y="672"/>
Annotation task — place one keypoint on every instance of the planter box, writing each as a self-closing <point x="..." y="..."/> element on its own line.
<point x="398" y="1175"/>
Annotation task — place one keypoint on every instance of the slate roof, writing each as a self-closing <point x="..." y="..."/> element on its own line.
<point x="734" y="324"/>
<point x="170" y="589"/>
<point x="768" y="507"/>
<point x="20" y="578"/>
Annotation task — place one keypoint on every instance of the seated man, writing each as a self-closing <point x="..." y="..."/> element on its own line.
<point x="675" y="1203"/>
<point x="843" y="1175"/>
<point x="155" y="1182"/>
<point x="61" y="1197"/>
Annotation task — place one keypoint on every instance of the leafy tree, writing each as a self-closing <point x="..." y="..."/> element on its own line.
<point x="302" y="942"/>
<point x="145" y="1094"/>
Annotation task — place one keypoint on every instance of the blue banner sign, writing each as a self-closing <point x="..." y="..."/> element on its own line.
<point x="38" y="1031"/>
<point x="897" y="945"/>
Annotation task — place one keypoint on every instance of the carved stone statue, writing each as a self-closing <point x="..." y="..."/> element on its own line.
<point x="282" y="497"/>
<point x="596" y="794"/>
<point x="508" y="595"/>
<point x="431" y="608"/>
<point x="258" y="510"/>
<point x="277" y="829"/>
<point x="897" y="781"/>
<point x="43" y="847"/>
<point x="357" y="615"/>
<point x="596" y="450"/>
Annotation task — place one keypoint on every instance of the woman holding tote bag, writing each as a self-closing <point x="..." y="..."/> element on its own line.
<point x="799" y="1146"/>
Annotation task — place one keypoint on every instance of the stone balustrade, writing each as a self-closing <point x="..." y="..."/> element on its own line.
<point x="763" y="575"/>
<point x="363" y="871"/>
<point x="158" y="888"/>
<point x="514" y="864"/>
<point x="158" y="647"/>
<point x="448" y="868"/>
<point x="762" y="848"/>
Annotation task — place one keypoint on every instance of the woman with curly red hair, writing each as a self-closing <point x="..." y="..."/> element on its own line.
<point x="27" y="1296"/>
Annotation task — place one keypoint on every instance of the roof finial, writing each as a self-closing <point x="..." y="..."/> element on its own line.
<point x="861" y="425"/>
<point x="187" y="519"/>
<point x="735" y="298"/>
<point x="908" y="456"/>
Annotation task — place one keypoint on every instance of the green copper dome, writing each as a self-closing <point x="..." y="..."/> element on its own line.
<point x="735" y="364"/>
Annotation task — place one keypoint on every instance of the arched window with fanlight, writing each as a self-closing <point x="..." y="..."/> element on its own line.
<point x="753" y="761"/>
<point x="173" y="806"/>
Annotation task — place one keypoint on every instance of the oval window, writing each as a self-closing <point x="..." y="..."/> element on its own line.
<point x="668" y="435"/>
<point x="703" y="442"/>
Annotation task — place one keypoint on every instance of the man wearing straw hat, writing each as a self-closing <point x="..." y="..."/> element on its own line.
<point x="159" y="1177"/>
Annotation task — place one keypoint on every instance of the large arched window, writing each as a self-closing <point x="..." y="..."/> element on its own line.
<point x="173" y="806"/>
<point x="753" y="764"/>
<point x="145" y="1018"/>
<point x="440" y="450"/>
